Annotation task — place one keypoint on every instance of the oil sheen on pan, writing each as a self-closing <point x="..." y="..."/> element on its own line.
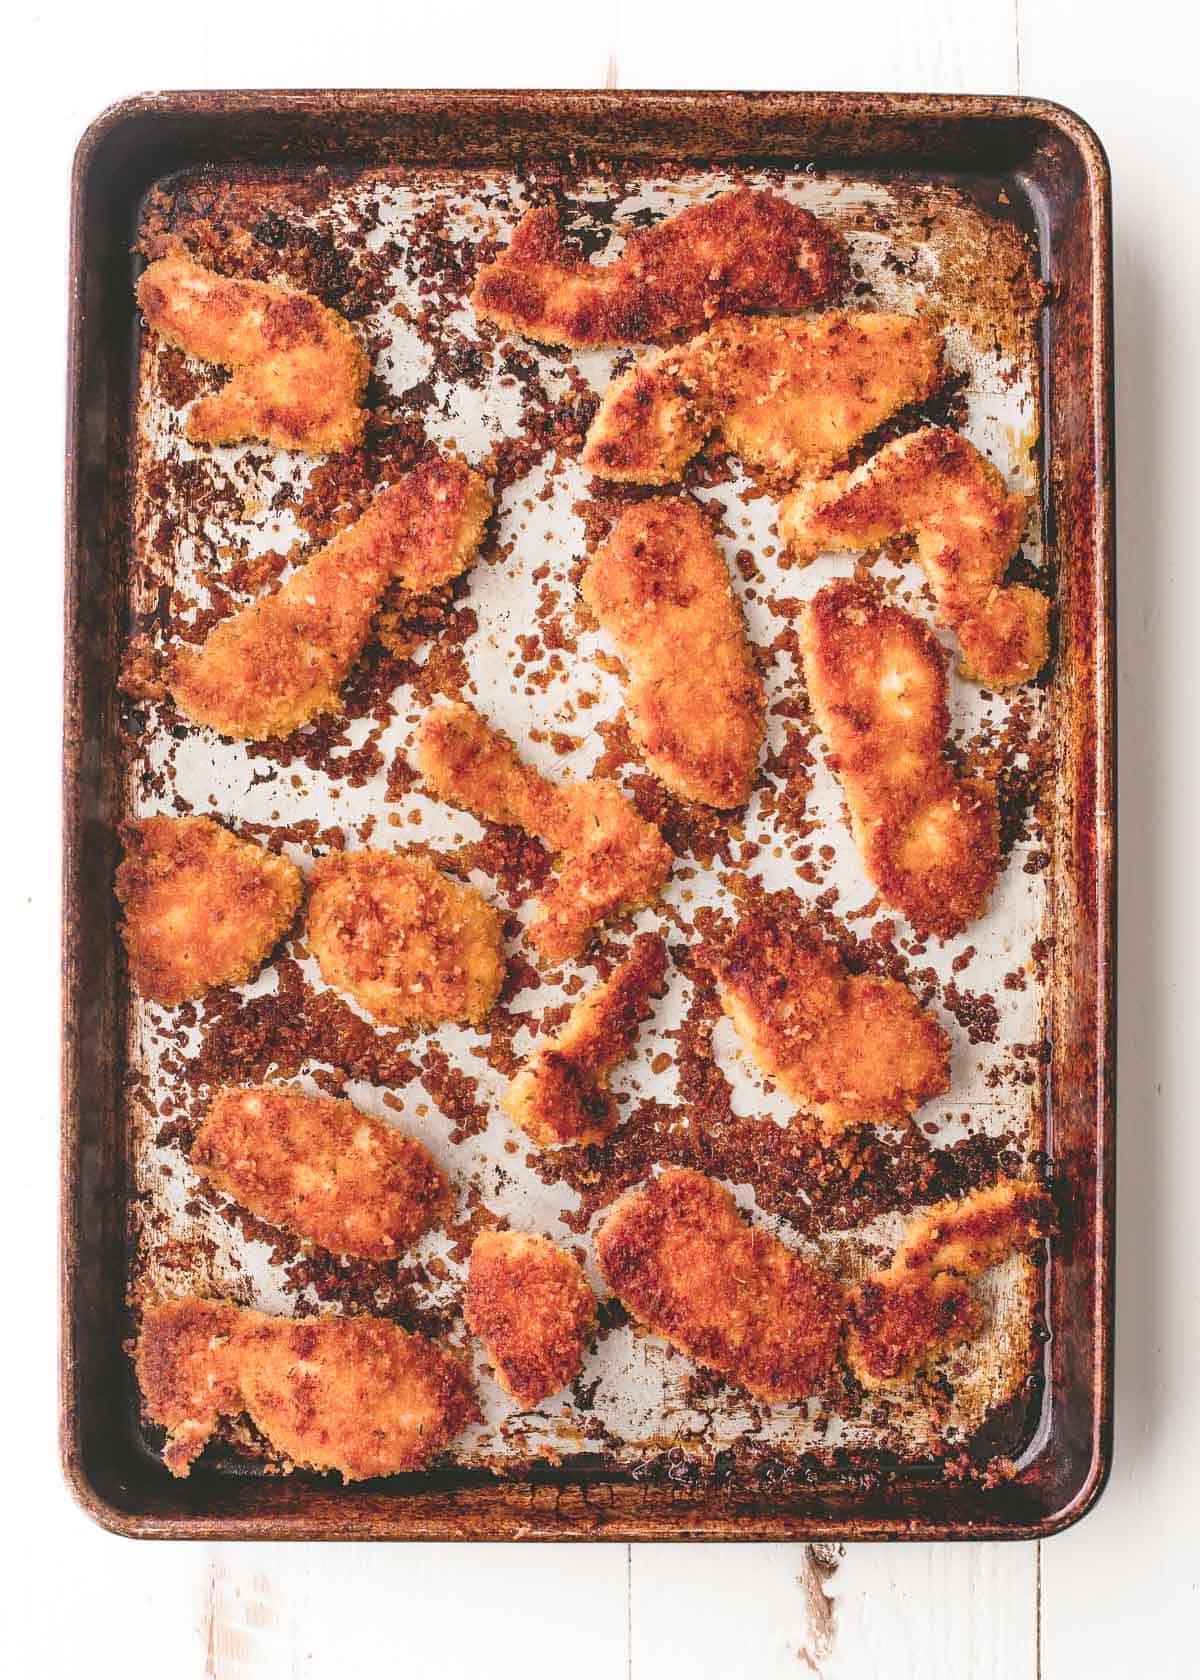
<point x="396" y="253"/>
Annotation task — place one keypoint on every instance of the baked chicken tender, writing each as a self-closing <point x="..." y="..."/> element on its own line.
<point x="355" y="1395"/>
<point x="744" y="250"/>
<point x="561" y="1094"/>
<point x="935" y="486"/>
<point x="282" y="661"/>
<point x="299" y="373"/>
<point x="680" y="1257"/>
<point x="322" y="1168"/>
<point x="929" y="839"/>
<point x="611" y="859"/>
<point x="922" y="1305"/>
<point x="789" y="396"/>
<point x="202" y="907"/>
<point x="411" y="947"/>
<point x="695" y="702"/>
<point x="532" y="1308"/>
<point x="851" y="1049"/>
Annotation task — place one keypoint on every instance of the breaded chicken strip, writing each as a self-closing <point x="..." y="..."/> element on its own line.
<point x="410" y="946"/>
<point x="202" y="907"/>
<point x="935" y="486"/>
<point x="612" y="860"/>
<point x="851" y="1049"/>
<point x="695" y="703"/>
<point x="561" y="1094"/>
<point x="922" y="1305"/>
<point x="282" y="661"/>
<point x="532" y="1308"/>
<point x="321" y="1168"/>
<point x="299" y="373"/>
<point x="679" y="1255"/>
<point x="790" y="396"/>
<point x="929" y="839"/>
<point x="744" y="250"/>
<point x="356" y="1395"/>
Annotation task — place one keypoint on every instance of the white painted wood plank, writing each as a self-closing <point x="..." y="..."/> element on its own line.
<point x="1120" y="1590"/>
<point x="931" y="46"/>
<point x="507" y="1612"/>
<point x="844" y="1613"/>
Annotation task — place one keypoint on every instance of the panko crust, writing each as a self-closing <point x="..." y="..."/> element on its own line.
<point x="850" y="1049"/>
<point x="611" y="859"/>
<point x="282" y="661"/>
<point x="561" y="1095"/>
<point x="202" y="906"/>
<point x="299" y="372"/>
<point x="912" y="1313"/>
<point x="934" y="485"/>
<point x="790" y="396"/>
<point x="322" y="1168"/>
<point x="694" y="700"/>
<point x="745" y="250"/>
<point x="876" y="677"/>
<point x="355" y="1395"/>
<point x="410" y="946"/>
<point x="530" y="1305"/>
<point x="680" y="1257"/>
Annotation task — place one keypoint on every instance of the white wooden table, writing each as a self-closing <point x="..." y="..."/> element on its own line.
<point x="1116" y="1596"/>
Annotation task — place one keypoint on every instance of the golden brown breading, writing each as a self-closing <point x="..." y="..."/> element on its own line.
<point x="743" y="250"/>
<point x="202" y="907"/>
<point x="321" y="1168"/>
<point x="532" y="1308"/>
<point x="935" y="486"/>
<point x="282" y="661"/>
<point x="612" y="860"/>
<point x="929" y="839"/>
<point x="299" y="373"/>
<point x="681" y="1258"/>
<point x="922" y="1305"/>
<point x="356" y="1395"/>
<point x="852" y="1049"/>
<point x="410" y="946"/>
<point x="561" y="1094"/>
<point x="790" y="396"/>
<point x="695" y="703"/>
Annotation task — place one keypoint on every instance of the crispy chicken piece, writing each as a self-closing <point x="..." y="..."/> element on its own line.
<point x="299" y="373"/>
<point x="695" y="703"/>
<point x="922" y="1305"/>
<point x="322" y="1168"/>
<point x="532" y="1308"/>
<point x="282" y="661"/>
<point x="561" y="1094"/>
<point x="744" y="250"/>
<point x="679" y="1255"/>
<point x="852" y="1049"/>
<point x="408" y="945"/>
<point x="929" y="839"/>
<point x="202" y="907"/>
<point x="790" y="396"/>
<point x="935" y="486"/>
<point x="612" y="860"/>
<point x="356" y="1395"/>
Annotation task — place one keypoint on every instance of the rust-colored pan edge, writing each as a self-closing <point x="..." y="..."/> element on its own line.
<point x="622" y="1513"/>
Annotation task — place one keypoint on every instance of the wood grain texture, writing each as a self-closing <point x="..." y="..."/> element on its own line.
<point x="1119" y="1592"/>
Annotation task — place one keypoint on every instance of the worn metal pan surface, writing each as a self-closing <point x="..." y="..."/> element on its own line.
<point x="993" y="215"/>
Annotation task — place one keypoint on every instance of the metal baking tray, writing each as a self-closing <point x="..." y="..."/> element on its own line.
<point x="994" y="212"/>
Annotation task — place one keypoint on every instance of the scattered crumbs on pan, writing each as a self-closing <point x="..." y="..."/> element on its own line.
<point x="397" y="253"/>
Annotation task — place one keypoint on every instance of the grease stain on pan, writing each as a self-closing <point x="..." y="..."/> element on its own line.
<point x="397" y="252"/>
